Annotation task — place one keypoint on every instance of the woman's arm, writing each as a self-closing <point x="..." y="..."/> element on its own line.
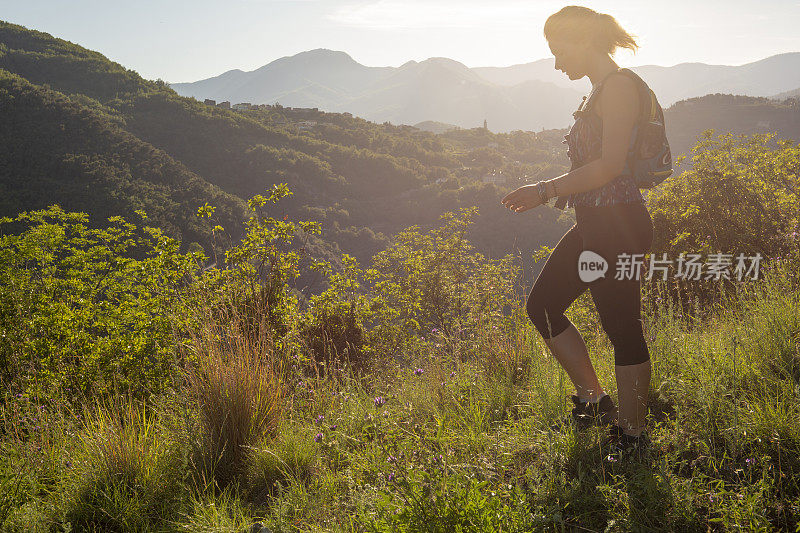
<point x="619" y="101"/>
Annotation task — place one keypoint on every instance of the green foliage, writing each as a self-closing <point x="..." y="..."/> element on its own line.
<point x="738" y="197"/>
<point x="435" y="282"/>
<point x="334" y="325"/>
<point x="87" y="311"/>
<point x="254" y="275"/>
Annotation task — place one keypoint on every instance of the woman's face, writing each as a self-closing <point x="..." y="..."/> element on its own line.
<point x="570" y="57"/>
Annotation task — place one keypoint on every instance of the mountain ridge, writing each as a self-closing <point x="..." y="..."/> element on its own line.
<point x="492" y="93"/>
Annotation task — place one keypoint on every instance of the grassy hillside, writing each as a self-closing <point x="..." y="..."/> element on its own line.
<point x="435" y="415"/>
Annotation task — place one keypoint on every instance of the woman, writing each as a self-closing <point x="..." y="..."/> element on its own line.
<point x="612" y="218"/>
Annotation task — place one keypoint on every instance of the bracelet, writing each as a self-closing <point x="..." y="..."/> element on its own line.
<point x="541" y="188"/>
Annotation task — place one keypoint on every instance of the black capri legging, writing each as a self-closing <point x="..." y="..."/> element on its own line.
<point x="608" y="231"/>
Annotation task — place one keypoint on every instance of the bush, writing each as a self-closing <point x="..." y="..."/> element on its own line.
<point x="86" y="311"/>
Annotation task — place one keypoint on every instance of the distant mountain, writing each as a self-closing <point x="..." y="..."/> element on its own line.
<point x="316" y="78"/>
<point x="766" y="77"/>
<point x="437" y="89"/>
<point x="541" y="70"/>
<point x="530" y="96"/>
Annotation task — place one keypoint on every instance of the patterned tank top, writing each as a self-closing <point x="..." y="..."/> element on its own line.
<point x="585" y="142"/>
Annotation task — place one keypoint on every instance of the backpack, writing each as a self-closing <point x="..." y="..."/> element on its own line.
<point x="649" y="156"/>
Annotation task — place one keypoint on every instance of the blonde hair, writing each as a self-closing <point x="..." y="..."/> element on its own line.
<point x="581" y="24"/>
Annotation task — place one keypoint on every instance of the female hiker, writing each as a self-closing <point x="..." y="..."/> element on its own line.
<point x="611" y="219"/>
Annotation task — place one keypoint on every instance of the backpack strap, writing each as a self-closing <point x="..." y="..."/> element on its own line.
<point x="645" y="95"/>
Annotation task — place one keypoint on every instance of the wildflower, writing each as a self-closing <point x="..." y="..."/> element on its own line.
<point x="379" y="401"/>
<point x="318" y="437"/>
<point x="435" y="330"/>
<point x="453" y="374"/>
<point x="320" y="418"/>
<point x="418" y="372"/>
<point x="333" y="427"/>
<point x="749" y="460"/>
<point x="391" y="459"/>
<point x="391" y="476"/>
<point x="611" y="459"/>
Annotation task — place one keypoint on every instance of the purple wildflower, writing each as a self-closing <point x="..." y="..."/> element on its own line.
<point x="318" y="437"/>
<point x="391" y="459"/>
<point x="333" y="427"/>
<point x="320" y="418"/>
<point x="391" y="476"/>
<point x="379" y="401"/>
<point x="453" y="374"/>
<point x="749" y="460"/>
<point x="418" y="372"/>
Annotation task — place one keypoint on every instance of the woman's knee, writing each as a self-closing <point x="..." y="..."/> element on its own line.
<point x="548" y="321"/>
<point x="627" y="338"/>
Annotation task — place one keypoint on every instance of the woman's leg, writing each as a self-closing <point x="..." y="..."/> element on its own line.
<point x="556" y="287"/>
<point x="623" y="229"/>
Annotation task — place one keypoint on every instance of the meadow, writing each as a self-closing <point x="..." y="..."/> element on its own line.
<point x="146" y="393"/>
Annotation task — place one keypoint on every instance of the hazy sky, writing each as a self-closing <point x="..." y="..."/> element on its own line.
<point x="190" y="40"/>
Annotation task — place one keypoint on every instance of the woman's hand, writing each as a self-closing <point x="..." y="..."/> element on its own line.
<point x="522" y="199"/>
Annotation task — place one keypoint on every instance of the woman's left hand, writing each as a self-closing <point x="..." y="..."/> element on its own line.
<point x="522" y="199"/>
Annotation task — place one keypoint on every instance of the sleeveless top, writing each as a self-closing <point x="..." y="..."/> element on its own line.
<point x="585" y="142"/>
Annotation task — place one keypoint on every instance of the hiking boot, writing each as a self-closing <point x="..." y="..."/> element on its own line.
<point x="585" y="414"/>
<point x="619" y="445"/>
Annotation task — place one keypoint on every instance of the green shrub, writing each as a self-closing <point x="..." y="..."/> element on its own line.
<point x="87" y="311"/>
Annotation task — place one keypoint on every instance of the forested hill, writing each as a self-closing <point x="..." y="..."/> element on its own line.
<point x="748" y="115"/>
<point x="59" y="151"/>
<point x="360" y="179"/>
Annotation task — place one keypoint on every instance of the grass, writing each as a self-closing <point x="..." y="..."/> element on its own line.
<point x="460" y="445"/>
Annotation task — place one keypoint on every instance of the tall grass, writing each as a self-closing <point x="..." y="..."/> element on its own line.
<point x="236" y="386"/>
<point x="127" y="471"/>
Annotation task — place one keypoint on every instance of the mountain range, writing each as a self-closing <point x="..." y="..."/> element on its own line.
<point x="531" y="96"/>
